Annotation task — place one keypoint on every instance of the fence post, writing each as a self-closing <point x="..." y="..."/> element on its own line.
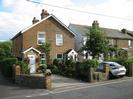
<point x="106" y="71"/>
<point x="90" y="74"/>
<point x="48" y="79"/>
<point x="130" y="70"/>
<point x="13" y="72"/>
<point x="17" y="70"/>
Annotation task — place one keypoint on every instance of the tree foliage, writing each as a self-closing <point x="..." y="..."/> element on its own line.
<point x="45" y="48"/>
<point x="96" y="41"/>
<point x="5" y="49"/>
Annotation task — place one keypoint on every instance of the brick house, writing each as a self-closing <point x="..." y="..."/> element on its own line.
<point x="117" y="38"/>
<point x="49" y="29"/>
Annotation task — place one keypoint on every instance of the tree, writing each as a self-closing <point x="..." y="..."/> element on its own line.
<point x="96" y="41"/>
<point x="45" y="48"/>
<point x="5" y="49"/>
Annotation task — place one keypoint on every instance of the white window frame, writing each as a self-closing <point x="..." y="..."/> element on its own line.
<point x="59" y="58"/>
<point x="129" y="43"/>
<point x="59" y="41"/>
<point x="41" y="38"/>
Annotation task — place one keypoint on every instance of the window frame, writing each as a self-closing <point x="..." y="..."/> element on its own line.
<point x="59" y="58"/>
<point x="130" y="43"/>
<point x="41" y="32"/>
<point x="58" y="43"/>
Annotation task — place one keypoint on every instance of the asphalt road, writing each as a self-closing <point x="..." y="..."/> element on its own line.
<point x="118" y="89"/>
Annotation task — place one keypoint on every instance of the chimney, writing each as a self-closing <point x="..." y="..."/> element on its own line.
<point x="124" y="31"/>
<point x="44" y="14"/>
<point x="34" y="20"/>
<point x="95" y="24"/>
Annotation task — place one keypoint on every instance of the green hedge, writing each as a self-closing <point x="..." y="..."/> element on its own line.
<point x="6" y="66"/>
<point x="72" y="69"/>
<point x="24" y="67"/>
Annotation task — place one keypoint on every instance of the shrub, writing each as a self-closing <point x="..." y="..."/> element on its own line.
<point x="55" y="69"/>
<point x="6" y="66"/>
<point x="24" y="67"/>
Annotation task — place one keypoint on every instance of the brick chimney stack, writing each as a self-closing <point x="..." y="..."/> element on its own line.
<point x="95" y="24"/>
<point x="34" y="20"/>
<point x="44" y="14"/>
<point x="124" y="31"/>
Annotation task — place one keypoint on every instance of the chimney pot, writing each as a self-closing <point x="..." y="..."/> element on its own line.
<point x="124" y="31"/>
<point x="95" y="24"/>
<point x="44" y="14"/>
<point x="34" y="20"/>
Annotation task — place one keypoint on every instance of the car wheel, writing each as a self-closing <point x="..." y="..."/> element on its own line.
<point x="121" y="76"/>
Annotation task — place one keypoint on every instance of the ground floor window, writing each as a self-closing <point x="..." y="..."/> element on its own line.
<point x="59" y="56"/>
<point x="43" y="59"/>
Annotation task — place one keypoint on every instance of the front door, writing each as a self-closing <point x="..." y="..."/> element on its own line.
<point x="32" y="63"/>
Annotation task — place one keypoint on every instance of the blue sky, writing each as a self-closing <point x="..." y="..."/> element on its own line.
<point x="17" y="14"/>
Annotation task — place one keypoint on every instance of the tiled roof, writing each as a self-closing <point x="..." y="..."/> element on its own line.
<point x="110" y="33"/>
<point x="51" y="15"/>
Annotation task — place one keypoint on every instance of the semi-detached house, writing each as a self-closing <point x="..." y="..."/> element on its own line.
<point x="49" y="29"/>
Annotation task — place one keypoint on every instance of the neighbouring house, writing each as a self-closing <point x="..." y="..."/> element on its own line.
<point x="116" y="38"/>
<point x="49" y="29"/>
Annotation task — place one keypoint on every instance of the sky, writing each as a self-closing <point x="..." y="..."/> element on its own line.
<point x="15" y="15"/>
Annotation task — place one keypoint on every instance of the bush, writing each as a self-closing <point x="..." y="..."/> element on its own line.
<point x="6" y="66"/>
<point x="83" y="67"/>
<point x="55" y="69"/>
<point x="24" y="67"/>
<point x="124" y="62"/>
<point x="72" y="69"/>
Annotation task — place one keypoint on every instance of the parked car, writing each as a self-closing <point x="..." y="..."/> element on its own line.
<point x="115" y="69"/>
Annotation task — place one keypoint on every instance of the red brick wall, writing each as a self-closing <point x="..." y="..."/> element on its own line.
<point x="51" y="28"/>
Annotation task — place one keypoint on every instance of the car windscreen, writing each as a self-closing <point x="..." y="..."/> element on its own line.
<point x="114" y="64"/>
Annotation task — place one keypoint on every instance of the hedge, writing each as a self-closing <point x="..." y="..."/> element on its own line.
<point x="6" y="66"/>
<point x="72" y="69"/>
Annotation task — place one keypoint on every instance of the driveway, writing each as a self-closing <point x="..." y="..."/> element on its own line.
<point x="61" y="82"/>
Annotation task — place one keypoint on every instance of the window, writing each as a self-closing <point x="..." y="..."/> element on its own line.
<point x="43" y="59"/>
<point x="129" y="43"/>
<point x="59" y="39"/>
<point x="41" y="38"/>
<point x="84" y="40"/>
<point x="59" y="56"/>
<point x="111" y="42"/>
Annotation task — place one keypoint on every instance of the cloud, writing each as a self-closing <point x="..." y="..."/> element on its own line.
<point x="23" y="12"/>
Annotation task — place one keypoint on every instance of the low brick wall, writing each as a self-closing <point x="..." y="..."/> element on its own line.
<point x="33" y="81"/>
<point x="94" y="76"/>
<point x="30" y="81"/>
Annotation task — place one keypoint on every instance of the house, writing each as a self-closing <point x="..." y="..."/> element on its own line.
<point x="116" y="38"/>
<point x="49" y="29"/>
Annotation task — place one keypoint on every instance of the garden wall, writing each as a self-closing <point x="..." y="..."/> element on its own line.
<point x="32" y="81"/>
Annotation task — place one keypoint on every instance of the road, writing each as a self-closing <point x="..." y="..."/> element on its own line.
<point x="116" y="89"/>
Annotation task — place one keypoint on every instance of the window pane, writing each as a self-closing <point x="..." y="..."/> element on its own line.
<point x="41" y="35"/>
<point x="41" y="38"/>
<point x="59" y="39"/>
<point x="59" y="56"/>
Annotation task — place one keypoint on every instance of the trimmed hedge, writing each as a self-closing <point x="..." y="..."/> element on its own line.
<point x="72" y="69"/>
<point x="6" y="66"/>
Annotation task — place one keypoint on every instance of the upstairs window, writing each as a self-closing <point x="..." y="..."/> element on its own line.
<point x="59" y="39"/>
<point x="129" y="43"/>
<point x="41" y="38"/>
